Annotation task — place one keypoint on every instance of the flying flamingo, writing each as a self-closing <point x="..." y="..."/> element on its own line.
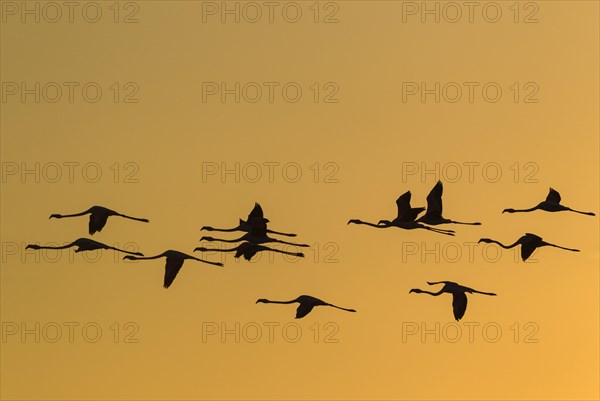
<point x="98" y="217"/>
<point x="255" y="217"/>
<point x="433" y="215"/>
<point x="459" y="296"/>
<point x="83" y="244"/>
<point x="256" y="235"/>
<point x="405" y="218"/>
<point x="248" y="250"/>
<point x="173" y="264"/>
<point x="529" y="243"/>
<point x="551" y="204"/>
<point x="307" y="303"/>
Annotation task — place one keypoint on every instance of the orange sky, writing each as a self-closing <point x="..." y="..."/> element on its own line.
<point x="163" y="142"/>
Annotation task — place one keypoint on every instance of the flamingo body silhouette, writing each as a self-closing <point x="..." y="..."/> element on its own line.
<point x="405" y="218"/>
<point x="529" y="243"/>
<point x="256" y="235"/>
<point x="174" y="262"/>
<point x="248" y="250"/>
<point x="83" y="244"/>
<point x="551" y="204"/>
<point x="307" y="303"/>
<point x="433" y="215"/>
<point x="98" y="217"/>
<point x="255" y="217"/>
<point x="459" y="295"/>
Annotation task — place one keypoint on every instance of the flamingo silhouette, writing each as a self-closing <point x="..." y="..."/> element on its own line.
<point x="307" y="303"/>
<point x="256" y="235"/>
<point x="405" y="218"/>
<point x="98" y="217"/>
<point x="459" y="295"/>
<point x="173" y="264"/>
<point x="433" y="215"/>
<point x="248" y="250"/>
<point x="551" y="204"/>
<point x="255" y="217"/>
<point x="83" y="244"/>
<point x="529" y="243"/>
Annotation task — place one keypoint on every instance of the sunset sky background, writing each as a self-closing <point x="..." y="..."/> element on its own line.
<point x="362" y="146"/>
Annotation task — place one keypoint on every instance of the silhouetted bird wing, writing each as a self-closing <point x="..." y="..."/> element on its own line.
<point x="256" y="213"/>
<point x="434" y="200"/>
<point x="553" y="196"/>
<point x="459" y="304"/>
<point x="247" y="249"/>
<point x="88" y="244"/>
<point x="172" y="267"/>
<point x="527" y="249"/>
<point x="97" y="222"/>
<point x="403" y="203"/>
<point x="303" y="310"/>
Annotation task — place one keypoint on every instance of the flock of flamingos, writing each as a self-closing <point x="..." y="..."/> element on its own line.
<point x="257" y="234"/>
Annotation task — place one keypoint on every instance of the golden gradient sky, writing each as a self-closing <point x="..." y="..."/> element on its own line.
<point x="152" y="154"/>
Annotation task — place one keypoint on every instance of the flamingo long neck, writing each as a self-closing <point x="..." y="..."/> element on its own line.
<point x="148" y="257"/>
<point x="435" y="294"/>
<point x="226" y="230"/>
<point x="279" y="302"/>
<point x="223" y="250"/>
<point x="506" y="246"/>
<point x="525" y="210"/>
<point x="230" y="241"/>
<point x="60" y="216"/>
<point x="356" y="221"/>
<point x="56" y="247"/>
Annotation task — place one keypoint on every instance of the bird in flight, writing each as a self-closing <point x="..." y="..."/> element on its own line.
<point x="433" y="215"/>
<point x="248" y="250"/>
<point x="405" y="218"/>
<point x="173" y="264"/>
<point x="256" y="235"/>
<point x="529" y="243"/>
<point x="307" y="303"/>
<point x="83" y="244"/>
<point x="551" y="204"/>
<point x="459" y="295"/>
<point x="98" y="217"/>
<point x="255" y="217"/>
